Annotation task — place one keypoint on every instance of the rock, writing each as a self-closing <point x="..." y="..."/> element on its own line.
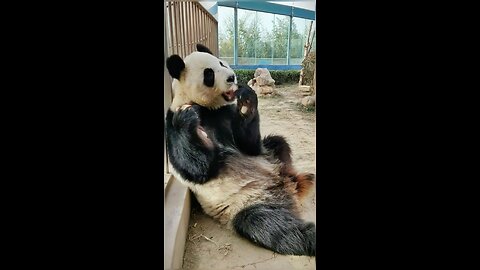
<point x="263" y="77"/>
<point x="260" y="71"/>
<point x="308" y="101"/>
<point x="265" y="90"/>
<point x="304" y="88"/>
<point x="264" y="80"/>
<point x="251" y="83"/>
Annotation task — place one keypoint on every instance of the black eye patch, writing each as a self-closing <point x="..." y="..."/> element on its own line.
<point x="221" y="64"/>
<point x="208" y="77"/>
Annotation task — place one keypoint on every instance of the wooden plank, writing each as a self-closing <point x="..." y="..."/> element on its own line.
<point x="184" y="28"/>
<point x="199" y="18"/>
<point x="208" y="29"/>
<point x="192" y="38"/>
<point x="202" y="26"/>
<point x="173" y="28"/>
<point x="199" y="22"/>
<point x="205" y="22"/>
<point x="177" y="40"/>
<point x="170" y="14"/>
<point x="204" y="29"/>
<point x="177" y="214"/>
<point x="189" y="22"/>
<point x="195" y="20"/>
<point x="216" y="39"/>
<point x="167" y="88"/>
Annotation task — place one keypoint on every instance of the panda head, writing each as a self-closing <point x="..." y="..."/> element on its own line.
<point x="201" y="78"/>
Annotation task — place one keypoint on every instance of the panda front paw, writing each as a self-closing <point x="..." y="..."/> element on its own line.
<point x="186" y="116"/>
<point x="247" y="102"/>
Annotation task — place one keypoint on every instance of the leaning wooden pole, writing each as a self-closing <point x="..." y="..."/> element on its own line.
<point x="306" y="49"/>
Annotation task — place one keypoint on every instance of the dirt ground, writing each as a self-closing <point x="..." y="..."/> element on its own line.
<point x="211" y="245"/>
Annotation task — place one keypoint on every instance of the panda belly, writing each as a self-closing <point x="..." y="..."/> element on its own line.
<point x="244" y="181"/>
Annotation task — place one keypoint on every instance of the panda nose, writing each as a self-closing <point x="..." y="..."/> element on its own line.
<point x="231" y="79"/>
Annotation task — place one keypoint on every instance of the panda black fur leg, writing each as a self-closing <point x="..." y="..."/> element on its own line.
<point x="189" y="153"/>
<point x="276" y="228"/>
<point x="278" y="147"/>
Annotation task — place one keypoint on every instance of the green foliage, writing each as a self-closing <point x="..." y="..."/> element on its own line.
<point x="285" y="76"/>
<point x="279" y="35"/>
<point x="253" y="38"/>
<point x="225" y="43"/>
<point x="280" y="76"/>
<point x="243" y="75"/>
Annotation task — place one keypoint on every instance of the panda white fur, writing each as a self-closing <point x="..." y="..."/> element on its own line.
<point x="215" y="148"/>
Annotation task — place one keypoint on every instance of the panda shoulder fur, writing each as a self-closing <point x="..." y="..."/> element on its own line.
<point x="215" y="148"/>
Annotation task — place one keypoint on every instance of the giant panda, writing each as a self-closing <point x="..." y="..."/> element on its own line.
<point x="215" y="148"/>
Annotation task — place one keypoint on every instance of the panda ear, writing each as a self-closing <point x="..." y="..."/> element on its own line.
<point x="202" y="48"/>
<point x="175" y="65"/>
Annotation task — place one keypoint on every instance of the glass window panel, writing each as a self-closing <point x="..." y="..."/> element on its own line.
<point x="248" y="32"/>
<point x="311" y="34"/>
<point x="226" y="28"/>
<point x="314" y="46"/>
<point x="264" y="45"/>
<point x="279" y="37"/>
<point x="297" y="41"/>
<point x="262" y="37"/>
<point x="299" y="37"/>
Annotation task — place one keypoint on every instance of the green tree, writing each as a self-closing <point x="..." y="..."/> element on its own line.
<point x="279" y="36"/>
<point x="248" y="35"/>
<point x="251" y="42"/>
<point x="225" y="37"/>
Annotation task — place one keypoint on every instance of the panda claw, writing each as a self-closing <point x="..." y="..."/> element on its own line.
<point x="183" y="107"/>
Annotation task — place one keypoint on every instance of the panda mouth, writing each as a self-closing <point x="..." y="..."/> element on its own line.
<point x="229" y="95"/>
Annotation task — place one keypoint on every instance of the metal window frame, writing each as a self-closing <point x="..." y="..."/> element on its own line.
<point x="270" y="8"/>
<point x="267" y="7"/>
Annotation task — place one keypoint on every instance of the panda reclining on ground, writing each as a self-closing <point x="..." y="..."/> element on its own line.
<point x="215" y="148"/>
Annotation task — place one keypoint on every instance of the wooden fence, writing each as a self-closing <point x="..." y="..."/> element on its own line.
<point x="186" y="24"/>
<point x="190" y="23"/>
